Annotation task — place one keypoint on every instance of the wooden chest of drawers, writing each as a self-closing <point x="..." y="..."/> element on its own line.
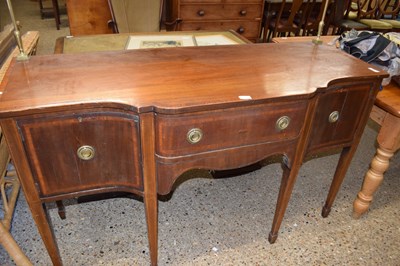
<point x="242" y="16"/>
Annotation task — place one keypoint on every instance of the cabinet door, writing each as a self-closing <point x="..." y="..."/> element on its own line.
<point x="338" y="116"/>
<point x="83" y="152"/>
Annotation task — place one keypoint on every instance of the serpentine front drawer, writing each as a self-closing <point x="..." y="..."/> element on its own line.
<point x="179" y="135"/>
<point x="76" y="152"/>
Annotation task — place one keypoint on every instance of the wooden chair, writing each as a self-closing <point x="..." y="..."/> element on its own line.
<point x="389" y="12"/>
<point x="55" y="10"/>
<point x="341" y="20"/>
<point x="136" y="15"/>
<point x="283" y="21"/>
<point x="313" y="13"/>
<point x="368" y="14"/>
<point x="352" y="10"/>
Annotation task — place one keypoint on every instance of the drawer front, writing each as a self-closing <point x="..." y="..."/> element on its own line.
<point x="221" y="12"/>
<point x="337" y="116"/>
<point x="178" y="135"/>
<point x="249" y="29"/>
<point x="83" y="151"/>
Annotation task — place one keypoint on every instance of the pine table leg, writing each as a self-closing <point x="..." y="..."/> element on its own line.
<point x="389" y="142"/>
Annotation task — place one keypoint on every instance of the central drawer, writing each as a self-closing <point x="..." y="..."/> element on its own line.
<point x="180" y="135"/>
<point x="220" y="11"/>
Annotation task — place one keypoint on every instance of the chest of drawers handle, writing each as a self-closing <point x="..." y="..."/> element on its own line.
<point x="334" y="116"/>
<point x="201" y="13"/>
<point x="85" y="152"/>
<point x="240" y="30"/>
<point x="243" y="12"/>
<point x="282" y="123"/>
<point x="194" y="135"/>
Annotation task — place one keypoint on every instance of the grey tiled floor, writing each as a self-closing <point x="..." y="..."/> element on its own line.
<point x="224" y="221"/>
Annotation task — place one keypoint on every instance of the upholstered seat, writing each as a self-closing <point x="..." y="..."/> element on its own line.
<point x="351" y="24"/>
<point x="375" y="24"/>
<point x="389" y="12"/>
<point x="283" y="24"/>
<point x="395" y="23"/>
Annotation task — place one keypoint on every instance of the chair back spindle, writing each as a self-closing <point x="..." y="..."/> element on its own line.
<point x="283" y="21"/>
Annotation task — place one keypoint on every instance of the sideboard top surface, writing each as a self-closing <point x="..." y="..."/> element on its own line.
<point x="174" y="79"/>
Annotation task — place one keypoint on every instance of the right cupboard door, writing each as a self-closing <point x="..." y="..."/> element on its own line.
<point x="338" y="115"/>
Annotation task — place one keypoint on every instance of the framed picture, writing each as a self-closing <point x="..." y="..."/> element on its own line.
<point x="214" y="39"/>
<point x="159" y="41"/>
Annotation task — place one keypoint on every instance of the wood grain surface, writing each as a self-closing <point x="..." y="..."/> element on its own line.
<point x="174" y="79"/>
<point x="389" y="99"/>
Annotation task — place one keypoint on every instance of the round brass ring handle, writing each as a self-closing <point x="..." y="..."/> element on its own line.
<point x="282" y="123"/>
<point x="334" y="116"/>
<point x="194" y="135"/>
<point x="85" y="152"/>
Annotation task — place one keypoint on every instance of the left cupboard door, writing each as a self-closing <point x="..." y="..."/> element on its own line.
<point x="83" y="153"/>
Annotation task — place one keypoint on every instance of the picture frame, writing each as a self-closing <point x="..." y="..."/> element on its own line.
<point x="159" y="41"/>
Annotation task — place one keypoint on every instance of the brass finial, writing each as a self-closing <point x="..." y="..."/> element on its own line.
<point x="321" y="25"/>
<point x="22" y="55"/>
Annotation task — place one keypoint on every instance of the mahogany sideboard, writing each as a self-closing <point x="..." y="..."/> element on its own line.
<point x="133" y="121"/>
